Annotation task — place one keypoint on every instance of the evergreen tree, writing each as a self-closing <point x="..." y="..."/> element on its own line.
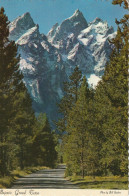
<point x="21" y="126"/>
<point x="96" y="138"/>
<point x="44" y="143"/>
<point x="111" y="101"/>
<point x="70" y="97"/>
<point x="15" y="110"/>
<point x="80" y="149"/>
<point x="8" y="71"/>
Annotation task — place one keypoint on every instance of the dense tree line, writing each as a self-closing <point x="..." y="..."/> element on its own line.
<point x="94" y="123"/>
<point x="24" y="139"/>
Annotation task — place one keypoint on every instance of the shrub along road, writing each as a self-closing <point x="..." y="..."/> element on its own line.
<point x="45" y="179"/>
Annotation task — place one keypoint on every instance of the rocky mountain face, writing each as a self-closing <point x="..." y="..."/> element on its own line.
<point x="48" y="60"/>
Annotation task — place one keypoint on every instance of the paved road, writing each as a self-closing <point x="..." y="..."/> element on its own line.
<point x="45" y="179"/>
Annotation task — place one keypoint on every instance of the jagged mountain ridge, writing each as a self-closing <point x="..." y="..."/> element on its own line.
<point x="48" y="60"/>
<point x="74" y="24"/>
<point x="85" y="48"/>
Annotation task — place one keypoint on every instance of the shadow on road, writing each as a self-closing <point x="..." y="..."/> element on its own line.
<point x="45" y="179"/>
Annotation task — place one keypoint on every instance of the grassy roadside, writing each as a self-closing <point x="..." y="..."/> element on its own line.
<point x="109" y="182"/>
<point x="7" y="181"/>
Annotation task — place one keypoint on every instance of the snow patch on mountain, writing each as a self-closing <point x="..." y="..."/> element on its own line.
<point x="93" y="80"/>
<point x="20" y="25"/>
<point x="48" y="60"/>
<point x="31" y="33"/>
<point x="95" y="37"/>
<point x="88" y="48"/>
<point x="73" y="24"/>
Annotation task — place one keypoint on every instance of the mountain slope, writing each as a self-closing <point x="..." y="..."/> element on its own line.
<point x="88" y="48"/>
<point x="47" y="61"/>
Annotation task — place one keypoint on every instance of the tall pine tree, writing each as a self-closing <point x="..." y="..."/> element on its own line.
<point x="80" y="141"/>
<point x="8" y="71"/>
<point x="16" y="115"/>
<point x="112" y="101"/>
<point x="44" y="143"/>
<point x="70" y="97"/>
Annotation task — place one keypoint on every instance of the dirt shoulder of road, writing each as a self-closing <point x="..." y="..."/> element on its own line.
<point x="7" y="181"/>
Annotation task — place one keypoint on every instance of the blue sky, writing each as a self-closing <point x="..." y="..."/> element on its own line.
<point x="47" y="12"/>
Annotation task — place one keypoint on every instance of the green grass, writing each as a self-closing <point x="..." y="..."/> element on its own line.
<point x="7" y="181"/>
<point x="109" y="182"/>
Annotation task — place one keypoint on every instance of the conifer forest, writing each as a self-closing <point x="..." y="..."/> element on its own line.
<point x="91" y="135"/>
<point x="94" y="123"/>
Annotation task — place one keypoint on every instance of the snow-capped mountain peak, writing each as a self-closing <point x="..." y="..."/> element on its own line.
<point x="95" y="38"/>
<point x="73" y="24"/>
<point x="20" y="25"/>
<point x="47" y="61"/>
<point x="77" y="16"/>
<point x="52" y="32"/>
<point x="29" y="35"/>
<point x="96" y="20"/>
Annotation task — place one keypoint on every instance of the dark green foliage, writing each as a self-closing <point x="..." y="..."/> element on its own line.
<point x="96" y="121"/>
<point x="44" y="143"/>
<point x="70" y="98"/>
<point x="9" y="75"/>
<point x="17" y="117"/>
<point x="22" y="136"/>
<point x="112" y="96"/>
<point x="21" y="126"/>
<point x="80" y="154"/>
